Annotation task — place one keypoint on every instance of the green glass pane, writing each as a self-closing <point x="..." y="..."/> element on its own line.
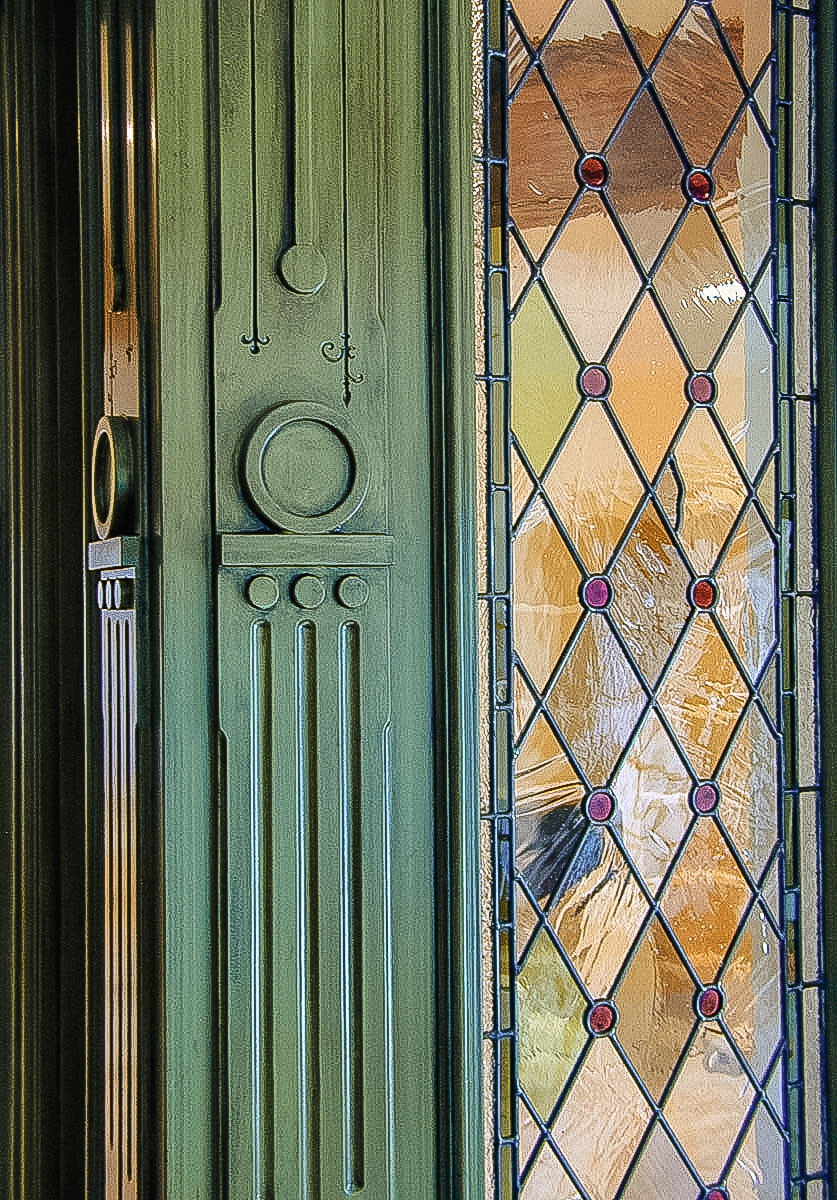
<point x="551" y="1033"/>
<point x="544" y="395"/>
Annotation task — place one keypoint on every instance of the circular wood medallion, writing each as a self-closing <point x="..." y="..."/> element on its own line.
<point x="305" y="468"/>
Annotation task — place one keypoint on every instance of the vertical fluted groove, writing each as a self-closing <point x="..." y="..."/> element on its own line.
<point x="261" y="901"/>
<point x="308" y="950"/>
<point x="351" y="914"/>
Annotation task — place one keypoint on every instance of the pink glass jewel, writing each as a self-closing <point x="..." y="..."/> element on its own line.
<point x="702" y="389"/>
<point x="595" y="382"/>
<point x="710" y="1002"/>
<point x="705" y="798"/>
<point x="593" y="171"/>
<point x="600" y="806"/>
<point x="601" y="1018"/>
<point x="597" y="593"/>
<point x="704" y="593"/>
<point x="699" y="186"/>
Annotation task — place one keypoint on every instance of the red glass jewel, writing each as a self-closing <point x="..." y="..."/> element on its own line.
<point x="699" y="186"/>
<point x="600" y="806"/>
<point x="716" y="1193"/>
<point x="705" y="798"/>
<point x="602" y="1018"/>
<point x="704" y="593"/>
<point x="593" y="171"/>
<point x="702" y="389"/>
<point x="597" y="592"/>
<point x="595" y="382"/>
<point x="710" y="1002"/>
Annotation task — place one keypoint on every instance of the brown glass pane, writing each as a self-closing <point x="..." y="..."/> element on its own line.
<point x="650" y="585"/>
<point x="524" y="702"/>
<point x="705" y="899"/>
<point x="659" y="1172"/>
<point x="714" y="493"/>
<point x="649" y="21"/>
<point x="542" y="162"/>
<point x="593" y="487"/>
<point x="597" y="700"/>
<point x="747" y="25"/>
<point x="758" y="1170"/>
<point x="709" y="1102"/>
<point x="746" y="593"/>
<point x="703" y="696"/>
<point x="548" y="796"/>
<point x="543" y="379"/>
<point x="519" y="272"/>
<point x="521" y="485"/>
<point x="655" y="1008"/>
<point x="749" y="786"/>
<point x="699" y="288"/>
<point x="591" y="69"/>
<point x="517" y="56"/>
<point x="651" y="790"/>
<point x="601" y="1122"/>
<point x="598" y="916"/>
<point x="536" y="16"/>
<point x="550" y="1013"/>
<point x="647" y="395"/>
<point x="545" y="596"/>
<point x="752" y="986"/>
<point x="548" y="1180"/>
<point x="590" y="250"/>
<point x="744" y="390"/>
<point x="645" y="179"/>
<point x="697" y="85"/>
<point x="742" y="193"/>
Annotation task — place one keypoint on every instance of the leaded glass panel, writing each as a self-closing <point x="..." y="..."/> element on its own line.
<point x="646" y="408"/>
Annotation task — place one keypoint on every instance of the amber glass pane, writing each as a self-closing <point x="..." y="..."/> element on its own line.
<point x="650" y="394"/>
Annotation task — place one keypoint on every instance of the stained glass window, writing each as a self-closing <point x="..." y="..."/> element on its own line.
<point x="646" y="404"/>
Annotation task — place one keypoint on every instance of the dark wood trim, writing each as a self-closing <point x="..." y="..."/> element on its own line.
<point x="41" y="761"/>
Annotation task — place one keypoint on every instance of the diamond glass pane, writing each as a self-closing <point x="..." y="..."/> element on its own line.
<point x="656" y="618"/>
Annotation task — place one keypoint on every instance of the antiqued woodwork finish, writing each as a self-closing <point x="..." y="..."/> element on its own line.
<point x="305" y="716"/>
<point x="115" y="596"/>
